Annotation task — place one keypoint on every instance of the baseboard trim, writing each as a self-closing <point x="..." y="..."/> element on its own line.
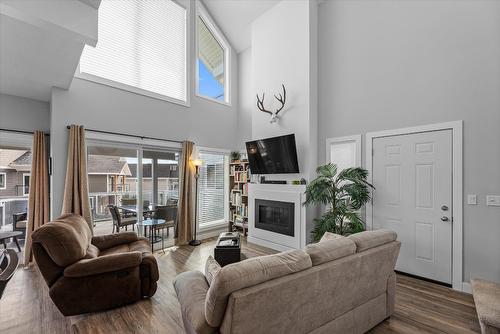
<point x="211" y="233"/>
<point x="268" y="244"/>
<point x="466" y="287"/>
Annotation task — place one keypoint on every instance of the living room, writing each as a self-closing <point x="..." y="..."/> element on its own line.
<point x="165" y="123"/>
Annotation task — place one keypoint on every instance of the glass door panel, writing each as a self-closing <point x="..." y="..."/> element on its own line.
<point x="112" y="181"/>
<point x="160" y="192"/>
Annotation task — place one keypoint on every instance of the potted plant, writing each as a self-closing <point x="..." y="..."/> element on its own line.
<point x="344" y="193"/>
<point x="235" y="156"/>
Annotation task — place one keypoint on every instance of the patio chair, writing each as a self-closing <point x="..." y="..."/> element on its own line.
<point x="19" y="223"/>
<point x="119" y="221"/>
<point x="8" y="265"/>
<point x="169" y="214"/>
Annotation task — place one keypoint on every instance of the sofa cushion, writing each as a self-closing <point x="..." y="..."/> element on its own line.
<point x="487" y="299"/>
<point x="329" y="250"/>
<point x="65" y="239"/>
<point x="212" y="267"/>
<point x="247" y="273"/>
<point x="92" y="252"/>
<point x="330" y="236"/>
<point x="369" y="239"/>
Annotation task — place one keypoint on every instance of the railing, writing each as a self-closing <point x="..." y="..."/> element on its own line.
<point x="99" y="202"/>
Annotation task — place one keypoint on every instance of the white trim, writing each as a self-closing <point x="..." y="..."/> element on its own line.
<point x="466" y="287"/>
<point x="24" y="183"/>
<point x="210" y="233"/>
<point x="457" y="210"/>
<point x="346" y="139"/>
<point x="4" y="180"/>
<point x="219" y="36"/>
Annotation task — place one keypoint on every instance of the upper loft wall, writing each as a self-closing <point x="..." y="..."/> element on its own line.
<point x="96" y="106"/>
<point x="282" y="40"/>
<point x="18" y="113"/>
<point x="394" y="64"/>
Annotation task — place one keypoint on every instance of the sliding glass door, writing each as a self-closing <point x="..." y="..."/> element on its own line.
<point x="140" y="182"/>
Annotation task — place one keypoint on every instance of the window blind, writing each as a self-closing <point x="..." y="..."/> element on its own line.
<point x="142" y="43"/>
<point x="211" y="188"/>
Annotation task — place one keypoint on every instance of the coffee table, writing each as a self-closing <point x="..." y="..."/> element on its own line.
<point x="8" y="235"/>
<point x="153" y="224"/>
<point x="228" y="248"/>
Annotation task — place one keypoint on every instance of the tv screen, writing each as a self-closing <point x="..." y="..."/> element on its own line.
<point x="277" y="155"/>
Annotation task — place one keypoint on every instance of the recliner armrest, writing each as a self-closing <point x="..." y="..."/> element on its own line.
<point x="103" y="264"/>
<point x="111" y="240"/>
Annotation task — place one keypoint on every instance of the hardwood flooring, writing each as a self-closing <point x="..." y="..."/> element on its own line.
<point x="421" y="307"/>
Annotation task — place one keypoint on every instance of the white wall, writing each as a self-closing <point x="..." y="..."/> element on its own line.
<point x="246" y="97"/>
<point x="393" y="64"/>
<point x="18" y="113"/>
<point x="281" y="54"/>
<point x="96" y="106"/>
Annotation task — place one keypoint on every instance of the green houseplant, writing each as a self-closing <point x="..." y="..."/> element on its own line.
<point x="235" y="156"/>
<point x="343" y="193"/>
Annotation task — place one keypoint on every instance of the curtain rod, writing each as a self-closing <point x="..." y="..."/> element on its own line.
<point x="129" y="135"/>
<point x="22" y="131"/>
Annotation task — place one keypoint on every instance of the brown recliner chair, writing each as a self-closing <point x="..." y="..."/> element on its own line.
<point x="90" y="274"/>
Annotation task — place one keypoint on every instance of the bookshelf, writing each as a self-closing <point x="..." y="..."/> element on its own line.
<point x="239" y="177"/>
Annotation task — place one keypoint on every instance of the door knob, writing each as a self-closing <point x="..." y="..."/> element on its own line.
<point x="445" y="219"/>
<point x="444" y="208"/>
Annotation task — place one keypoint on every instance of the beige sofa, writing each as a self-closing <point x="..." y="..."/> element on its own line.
<point x="339" y="285"/>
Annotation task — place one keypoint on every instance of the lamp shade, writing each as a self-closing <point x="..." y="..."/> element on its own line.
<point x="195" y="157"/>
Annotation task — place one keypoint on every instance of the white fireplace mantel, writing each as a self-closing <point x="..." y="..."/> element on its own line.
<point x="283" y="193"/>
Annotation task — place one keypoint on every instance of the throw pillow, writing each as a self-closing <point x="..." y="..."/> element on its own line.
<point x="330" y="236"/>
<point x="212" y="267"/>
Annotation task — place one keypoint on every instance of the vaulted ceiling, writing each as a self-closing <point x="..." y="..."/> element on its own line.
<point x="235" y="17"/>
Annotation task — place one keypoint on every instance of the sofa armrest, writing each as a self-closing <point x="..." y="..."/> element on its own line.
<point x="103" y="264"/>
<point x="191" y="288"/>
<point x="111" y="240"/>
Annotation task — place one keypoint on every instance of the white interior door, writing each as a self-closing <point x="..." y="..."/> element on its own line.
<point x="412" y="175"/>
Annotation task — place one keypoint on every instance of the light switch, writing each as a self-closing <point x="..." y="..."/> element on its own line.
<point x="472" y="199"/>
<point x="492" y="200"/>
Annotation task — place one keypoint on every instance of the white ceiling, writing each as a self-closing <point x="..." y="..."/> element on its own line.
<point x="39" y="49"/>
<point x="234" y="18"/>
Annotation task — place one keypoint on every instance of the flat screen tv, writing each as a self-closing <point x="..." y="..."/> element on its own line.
<point x="277" y="155"/>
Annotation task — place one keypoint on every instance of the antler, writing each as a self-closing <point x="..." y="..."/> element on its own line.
<point x="260" y="104"/>
<point x="281" y="99"/>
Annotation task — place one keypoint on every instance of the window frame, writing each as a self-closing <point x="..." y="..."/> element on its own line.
<point x="24" y="184"/>
<point x="356" y="139"/>
<point x="221" y="222"/>
<point x="140" y="91"/>
<point x="4" y="181"/>
<point x="219" y="36"/>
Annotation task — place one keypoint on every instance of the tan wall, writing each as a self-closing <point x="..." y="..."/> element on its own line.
<point x="98" y="183"/>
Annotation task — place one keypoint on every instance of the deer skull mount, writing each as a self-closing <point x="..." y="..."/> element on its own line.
<point x="281" y="99"/>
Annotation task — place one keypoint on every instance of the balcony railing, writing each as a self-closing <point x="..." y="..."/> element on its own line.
<point x="99" y="202"/>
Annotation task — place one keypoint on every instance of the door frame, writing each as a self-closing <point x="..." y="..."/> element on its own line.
<point x="457" y="183"/>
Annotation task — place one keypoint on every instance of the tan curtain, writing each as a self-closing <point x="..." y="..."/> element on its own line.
<point x="185" y="216"/>
<point x="38" y="203"/>
<point x="76" y="191"/>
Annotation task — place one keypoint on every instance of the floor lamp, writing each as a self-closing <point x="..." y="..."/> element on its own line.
<point x="197" y="163"/>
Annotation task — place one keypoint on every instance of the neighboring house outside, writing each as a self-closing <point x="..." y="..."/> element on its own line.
<point x="168" y="182"/>
<point x="15" y="168"/>
<point x="107" y="179"/>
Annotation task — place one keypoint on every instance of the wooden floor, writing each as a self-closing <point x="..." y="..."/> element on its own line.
<point x="421" y="307"/>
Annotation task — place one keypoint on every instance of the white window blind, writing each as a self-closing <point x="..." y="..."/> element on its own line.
<point x="142" y="43"/>
<point x="211" y="188"/>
